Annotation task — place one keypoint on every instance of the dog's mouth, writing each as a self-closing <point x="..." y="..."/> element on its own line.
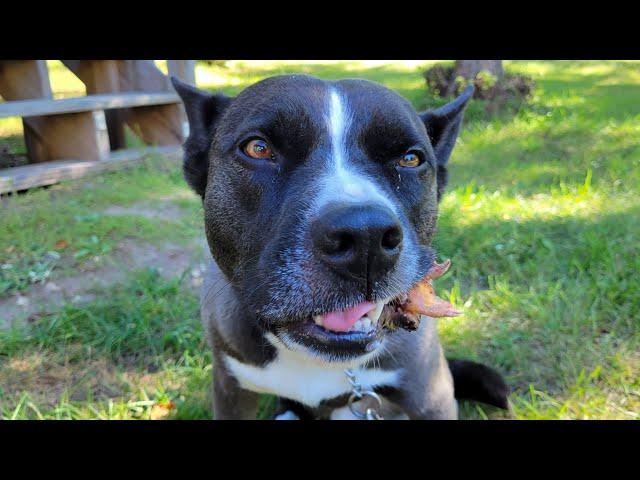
<point x="359" y="329"/>
<point x="361" y="318"/>
<point x="342" y="334"/>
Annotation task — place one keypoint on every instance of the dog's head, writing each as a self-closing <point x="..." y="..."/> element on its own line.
<point x="320" y="201"/>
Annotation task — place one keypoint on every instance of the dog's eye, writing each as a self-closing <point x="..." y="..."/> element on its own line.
<point x="409" y="160"/>
<point x="258" y="148"/>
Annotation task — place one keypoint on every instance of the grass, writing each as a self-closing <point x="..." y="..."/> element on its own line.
<point x="539" y="219"/>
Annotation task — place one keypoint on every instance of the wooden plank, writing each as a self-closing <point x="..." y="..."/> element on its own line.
<point x="158" y="125"/>
<point x="80" y="135"/>
<point x="154" y="126"/>
<point x="28" y="108"/>
<point x="102" y="76"/>
<point x="142" y="75"/>
<point x="20" y="79"/>
<point x="25" y="79"/>
<point x="185" y="70"/>
<point x="30" y="176"/>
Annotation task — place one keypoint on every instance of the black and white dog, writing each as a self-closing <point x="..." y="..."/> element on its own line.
<point x="320" y="202"/>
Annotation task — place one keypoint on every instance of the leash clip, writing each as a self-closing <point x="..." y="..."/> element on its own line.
<point x="358" y="394"/>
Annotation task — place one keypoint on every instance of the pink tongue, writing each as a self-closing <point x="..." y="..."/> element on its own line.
<point x="344" y="320"/>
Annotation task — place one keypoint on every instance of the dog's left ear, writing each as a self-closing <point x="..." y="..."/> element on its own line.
<point x="203" y="111"/>
<point x="443" y="126"/>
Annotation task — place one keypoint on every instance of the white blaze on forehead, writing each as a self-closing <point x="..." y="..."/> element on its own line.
<point x="338" y="125"/>
<point x="341" y="181"/>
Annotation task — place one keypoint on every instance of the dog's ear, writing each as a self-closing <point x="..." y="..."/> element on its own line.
<point x="203" y="111"/>
<point x="443" y="126"/>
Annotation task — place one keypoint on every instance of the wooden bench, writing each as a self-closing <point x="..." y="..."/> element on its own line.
<point x="48" y="173"/>
<point x="61" y="134"/>
<point x="34" y="108"/>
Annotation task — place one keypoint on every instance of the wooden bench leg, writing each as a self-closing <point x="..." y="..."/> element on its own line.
<point x="23" y="80"/>
<point x="154" y="125"/>
<point x="183" y="69"/>
<point x="158" y="124"/>
<point x="79" y="136"/>
<point x="102" y="76"/>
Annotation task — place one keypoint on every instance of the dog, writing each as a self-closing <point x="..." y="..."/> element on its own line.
<point x="320" y="202"/>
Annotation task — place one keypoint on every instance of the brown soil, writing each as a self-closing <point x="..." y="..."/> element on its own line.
<point x="43" y="299"/>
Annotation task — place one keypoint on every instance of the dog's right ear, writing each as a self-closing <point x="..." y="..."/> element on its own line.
<point x="203" y="111"/>
<point x="443" y="125"/>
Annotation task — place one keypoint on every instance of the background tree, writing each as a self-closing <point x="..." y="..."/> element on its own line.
<point x="469" y="69"/>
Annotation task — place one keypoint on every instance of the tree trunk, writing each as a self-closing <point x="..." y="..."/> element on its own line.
<point x="468" y="69"/>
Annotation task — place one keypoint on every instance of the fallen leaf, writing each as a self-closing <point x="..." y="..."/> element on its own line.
<point x="423" y="299"/>
<point x="61" y="244"/>
<point x="420" y="300"/>
<point x="161" y="410"/>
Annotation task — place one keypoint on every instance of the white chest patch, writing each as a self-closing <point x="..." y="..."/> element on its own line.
<point x="306" y="380"/>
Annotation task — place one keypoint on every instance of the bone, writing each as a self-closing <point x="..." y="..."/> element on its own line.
<point x="420" y="300"/>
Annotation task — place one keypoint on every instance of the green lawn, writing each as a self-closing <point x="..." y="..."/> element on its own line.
<point x="540" y="220"/>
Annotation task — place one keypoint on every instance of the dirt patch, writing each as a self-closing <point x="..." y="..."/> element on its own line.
<point x="43" y="299"/>
<point x="49" y="379"/>
<point x="170" y="259"/>
<point x="46" y="379"/>
<point x="12" y="150"/>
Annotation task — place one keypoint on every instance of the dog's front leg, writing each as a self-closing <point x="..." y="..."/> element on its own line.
<point x="428" y="393"/>
<point x="230" y="401"/>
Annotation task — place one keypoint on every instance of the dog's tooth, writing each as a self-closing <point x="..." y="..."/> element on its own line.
<point x="357" y="327"/>
<point x="318" y="320"/>
<point x="366" y="324"/>
<point x="374" y="313"/>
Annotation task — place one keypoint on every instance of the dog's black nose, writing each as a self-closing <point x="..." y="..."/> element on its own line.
<point x="361" y="241"/>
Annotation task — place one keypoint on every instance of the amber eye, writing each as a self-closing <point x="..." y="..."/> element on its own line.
<point x="258" y="148"/>
<point x="409" y="160"/>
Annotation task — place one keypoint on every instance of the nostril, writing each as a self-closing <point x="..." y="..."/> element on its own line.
<point x="391" y="238"/>
<point x="338" y="242"/>
<point x="357" y="241"/>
